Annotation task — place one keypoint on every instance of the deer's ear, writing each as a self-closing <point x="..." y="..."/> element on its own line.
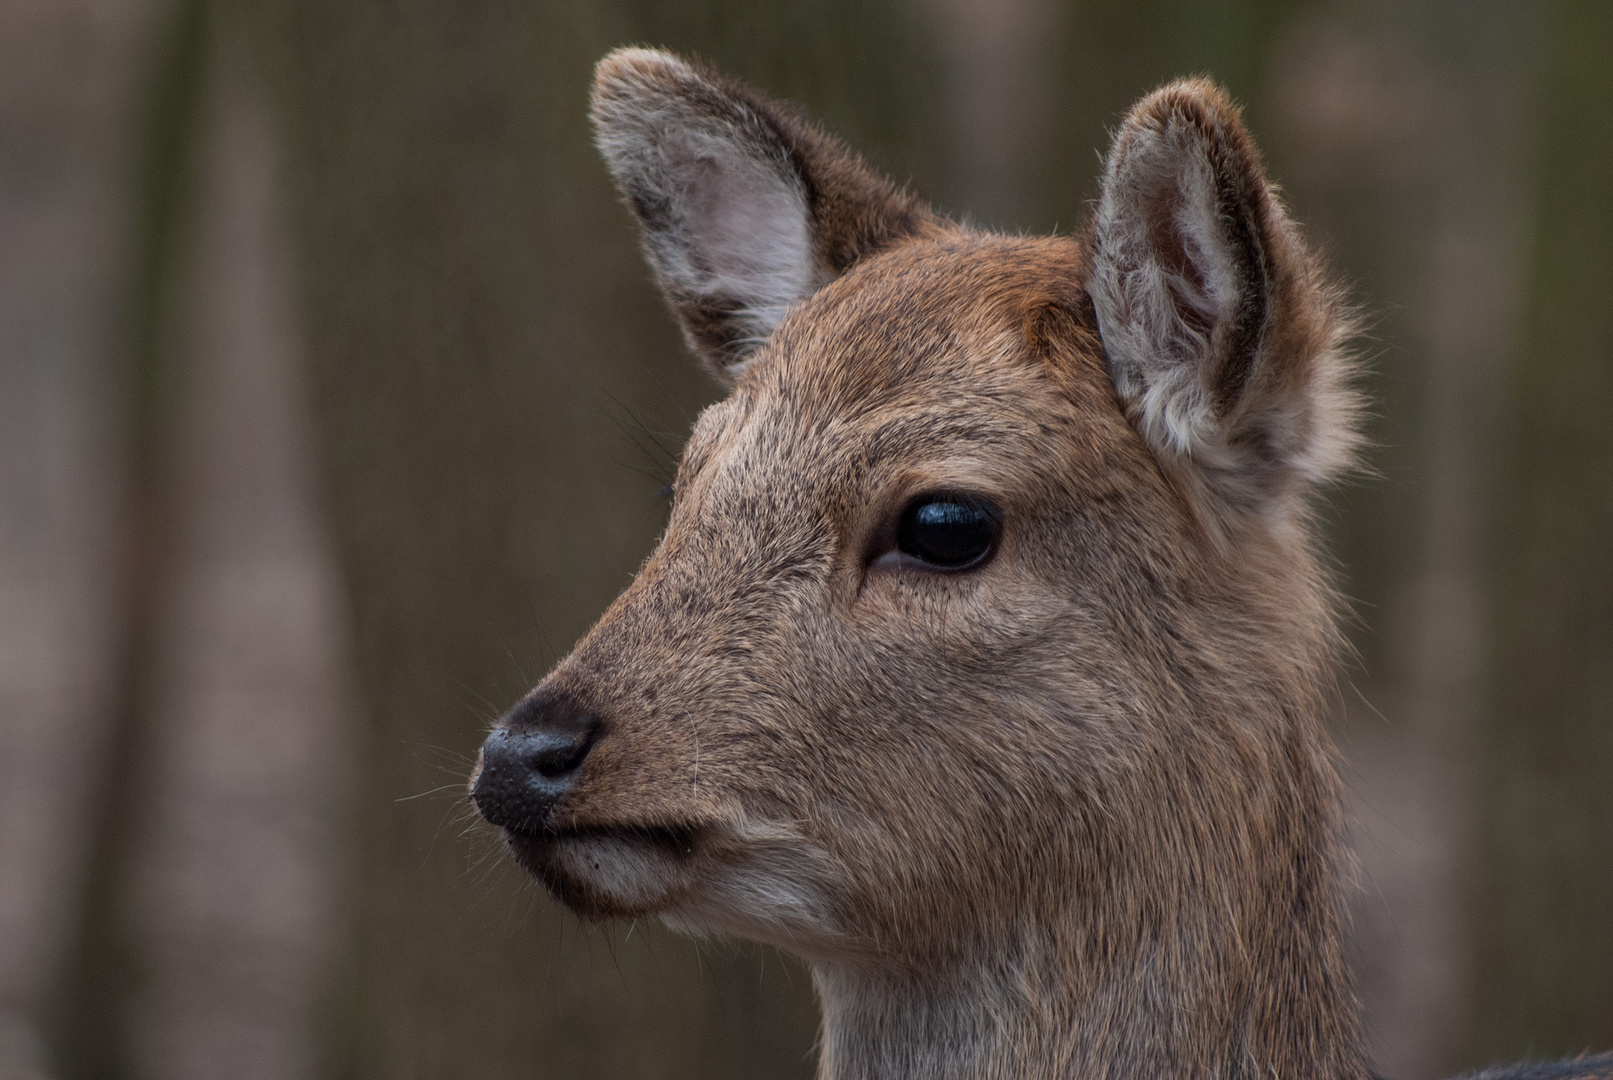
<point x="745" y="208"/>
<point x="1222" y="337"/>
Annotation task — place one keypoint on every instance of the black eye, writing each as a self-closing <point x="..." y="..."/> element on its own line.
<point x="948" y="531"/>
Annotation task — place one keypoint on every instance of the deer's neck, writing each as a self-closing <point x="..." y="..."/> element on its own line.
<point x="1034" y="1010"/>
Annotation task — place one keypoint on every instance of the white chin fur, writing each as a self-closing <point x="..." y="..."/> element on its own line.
<point x="767" y="882"/>
<point x="759" y="882"/>
<point x="757" y="902"/>
<point x="635" y="874"/>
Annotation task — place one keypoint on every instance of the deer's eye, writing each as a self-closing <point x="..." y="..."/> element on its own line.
<point x="950" y="532"/>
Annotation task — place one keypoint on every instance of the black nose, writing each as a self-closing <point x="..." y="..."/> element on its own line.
<point x="530" y="760"/>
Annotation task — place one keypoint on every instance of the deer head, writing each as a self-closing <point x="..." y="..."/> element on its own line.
<point x="982" y="662"/>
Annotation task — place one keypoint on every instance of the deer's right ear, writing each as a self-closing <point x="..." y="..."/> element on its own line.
<point x="746" y="210"/>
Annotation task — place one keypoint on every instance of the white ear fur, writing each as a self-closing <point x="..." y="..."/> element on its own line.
<point x="727" y="225"/>
<point x="1164" y="281"/>
<point x="1222" y="341"/>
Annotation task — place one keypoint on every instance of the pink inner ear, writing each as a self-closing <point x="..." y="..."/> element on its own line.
<point x="747" y="244"/>
<point x="748" y="224"/>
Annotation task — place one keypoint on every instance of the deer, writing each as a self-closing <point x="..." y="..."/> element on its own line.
<point x="985" y="661"/>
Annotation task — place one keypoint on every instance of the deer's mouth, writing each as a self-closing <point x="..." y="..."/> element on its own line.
<point x="611" y="871"/>
<point x="717" y="877"/>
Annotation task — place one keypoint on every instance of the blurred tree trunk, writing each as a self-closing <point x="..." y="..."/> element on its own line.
<point x="229" y="892"/>
<point x="1543" y="901"/>
<point x="484" y="344"/>
<point x="74" y="93"/>
<point x="89" y="1025"/>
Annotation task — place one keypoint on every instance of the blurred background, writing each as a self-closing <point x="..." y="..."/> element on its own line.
<point x="334" y="399"/>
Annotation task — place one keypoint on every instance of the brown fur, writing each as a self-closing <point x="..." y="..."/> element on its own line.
<point x="1073" y="813"/>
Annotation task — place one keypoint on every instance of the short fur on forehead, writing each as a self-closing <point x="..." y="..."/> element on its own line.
<point x="1222" y="339"/>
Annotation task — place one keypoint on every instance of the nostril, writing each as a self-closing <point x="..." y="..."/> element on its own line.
<point x="560" y="756"/>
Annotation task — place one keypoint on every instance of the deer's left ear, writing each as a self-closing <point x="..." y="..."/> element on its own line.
<point x="1222" y="337"/>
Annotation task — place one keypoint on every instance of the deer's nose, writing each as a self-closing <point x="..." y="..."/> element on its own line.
<point x="530" y="760"/>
